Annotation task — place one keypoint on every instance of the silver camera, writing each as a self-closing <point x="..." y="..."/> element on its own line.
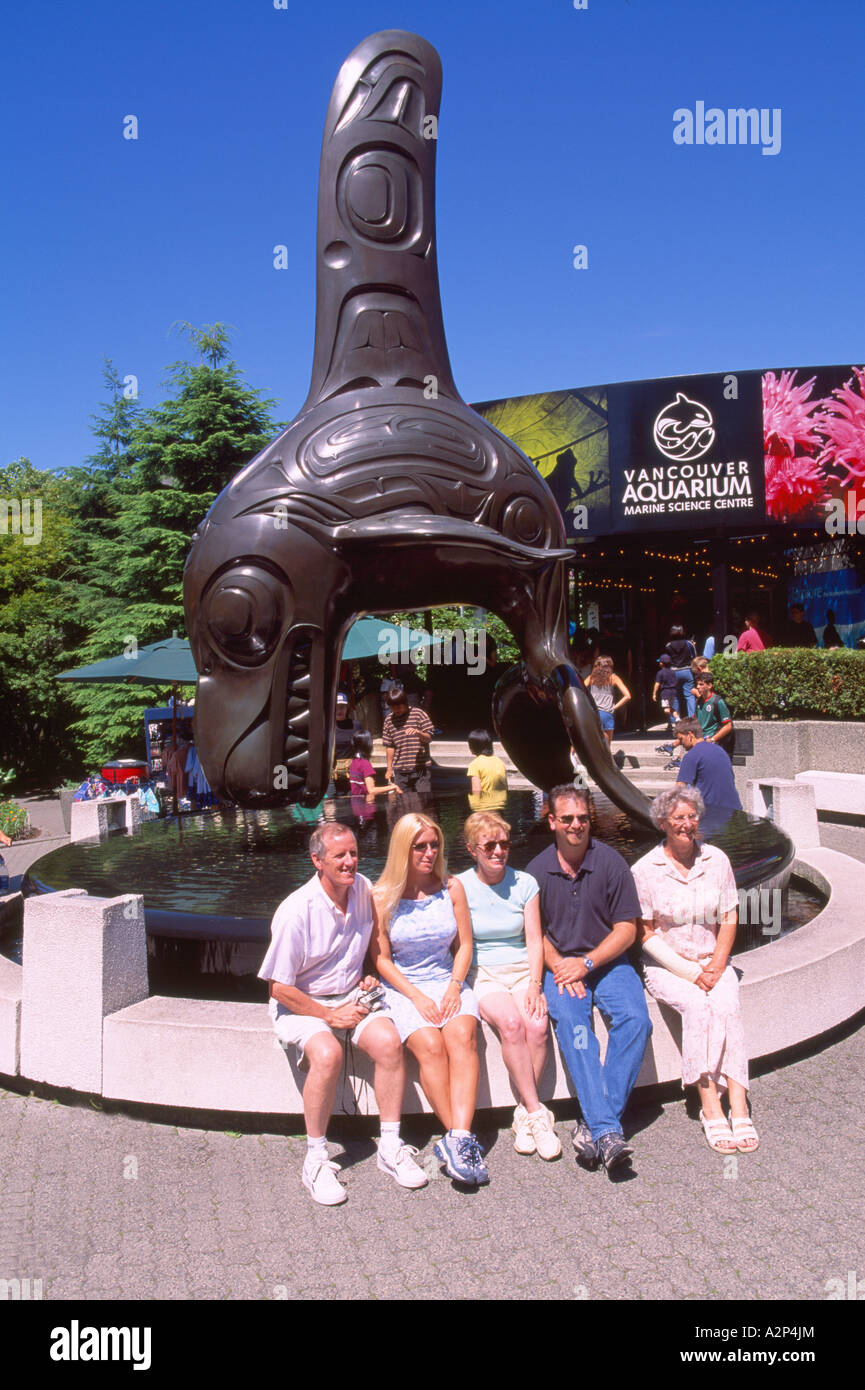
<point x="372" y="999"/>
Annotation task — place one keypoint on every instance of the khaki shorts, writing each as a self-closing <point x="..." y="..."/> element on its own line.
<point x="295" y="1030"/>
<point x="513" y="977"/>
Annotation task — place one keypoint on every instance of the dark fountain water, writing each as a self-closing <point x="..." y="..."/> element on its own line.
<point x="211" y="882"/>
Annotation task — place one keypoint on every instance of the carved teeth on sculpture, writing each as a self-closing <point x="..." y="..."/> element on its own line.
<point x="389" y="500"/>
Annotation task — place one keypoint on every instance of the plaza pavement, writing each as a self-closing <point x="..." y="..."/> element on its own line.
<point x="100" y="1205"/>
<point x="45" y="816"/>
<point x="103" y="1206"/>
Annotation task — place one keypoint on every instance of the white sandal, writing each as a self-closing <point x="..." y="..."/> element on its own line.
<point x="743" y="1129"/>
<point x="718" y="1132"/>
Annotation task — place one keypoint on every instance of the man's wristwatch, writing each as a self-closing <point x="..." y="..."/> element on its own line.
<point x="588" y="963"/>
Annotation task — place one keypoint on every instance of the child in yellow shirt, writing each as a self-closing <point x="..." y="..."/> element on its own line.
<point x="488" y="773"/>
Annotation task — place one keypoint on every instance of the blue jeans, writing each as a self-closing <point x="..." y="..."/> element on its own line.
<point x="687" y="698"/>
<point x="602" y="1091"/>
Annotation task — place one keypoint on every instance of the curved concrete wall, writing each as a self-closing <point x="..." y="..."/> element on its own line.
<point x="202" y="1054"/>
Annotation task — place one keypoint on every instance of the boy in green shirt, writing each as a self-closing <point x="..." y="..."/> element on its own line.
<point x="712" y="712"/>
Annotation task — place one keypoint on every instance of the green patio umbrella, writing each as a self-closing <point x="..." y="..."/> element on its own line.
<point x="369" y="636"/>
<point x="170" y="662"/>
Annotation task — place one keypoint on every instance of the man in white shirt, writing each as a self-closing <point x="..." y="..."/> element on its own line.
<point x="319" y="939"/>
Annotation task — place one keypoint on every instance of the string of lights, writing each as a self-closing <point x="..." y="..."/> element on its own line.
<point x="688" y="567"/>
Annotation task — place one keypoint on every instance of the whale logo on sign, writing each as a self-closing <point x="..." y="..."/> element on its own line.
<point x="683" y="429"/>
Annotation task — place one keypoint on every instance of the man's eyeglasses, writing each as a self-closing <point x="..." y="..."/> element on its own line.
<point x="569" y="820"/>
<point x="489" y="845"/>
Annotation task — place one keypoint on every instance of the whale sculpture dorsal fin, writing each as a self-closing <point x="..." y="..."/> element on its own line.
<point x="378" y="308"/>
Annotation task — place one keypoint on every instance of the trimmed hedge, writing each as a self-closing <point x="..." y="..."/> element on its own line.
<point x="790" y="683"/>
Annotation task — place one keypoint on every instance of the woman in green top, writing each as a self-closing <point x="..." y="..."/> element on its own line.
<point x="507" y="970"/>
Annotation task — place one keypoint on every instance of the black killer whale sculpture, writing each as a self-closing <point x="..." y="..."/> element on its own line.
<point x="386" y="492"/>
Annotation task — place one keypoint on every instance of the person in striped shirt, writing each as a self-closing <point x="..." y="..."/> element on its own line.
<point x="406" y="738"/>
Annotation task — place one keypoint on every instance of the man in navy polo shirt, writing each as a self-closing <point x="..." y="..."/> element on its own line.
<point x="706" y="766"/>
<point x="589" y="911"/>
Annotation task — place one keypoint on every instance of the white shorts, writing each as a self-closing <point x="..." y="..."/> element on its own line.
<point x="512" y="977"/>
<point x="297" y="1029"/>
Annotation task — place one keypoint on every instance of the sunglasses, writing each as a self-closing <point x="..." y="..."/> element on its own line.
<point x="425" y="845"/>
<point x="569" y="820"/>
<point x="489" y="845"/>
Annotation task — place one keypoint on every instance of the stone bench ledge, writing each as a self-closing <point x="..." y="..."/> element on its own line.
<point x="842" y="792"/>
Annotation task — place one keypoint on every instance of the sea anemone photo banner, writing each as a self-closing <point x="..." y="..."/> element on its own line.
<point x="813" y="442"/>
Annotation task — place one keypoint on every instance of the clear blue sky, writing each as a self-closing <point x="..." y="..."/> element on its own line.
<point x="556" y="129"/>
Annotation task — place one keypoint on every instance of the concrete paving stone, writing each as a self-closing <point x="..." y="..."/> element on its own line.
<point x="351" y="1284"/>
<point x="455" y="1280"/>
<point x="211" y="1216"/>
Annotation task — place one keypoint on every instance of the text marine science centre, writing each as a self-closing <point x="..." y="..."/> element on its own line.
<point x="702" y="499"/>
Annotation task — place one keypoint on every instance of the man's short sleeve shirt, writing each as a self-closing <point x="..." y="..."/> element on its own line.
<point x="314" y="946"/>
<point x="707" y="767"/>
<point x="578" y="913"/>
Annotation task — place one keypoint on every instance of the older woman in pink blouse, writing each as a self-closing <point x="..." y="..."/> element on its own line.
<point x="689" y="904"/>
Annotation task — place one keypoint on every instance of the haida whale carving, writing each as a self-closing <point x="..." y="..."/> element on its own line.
<point x="386" y="492"/>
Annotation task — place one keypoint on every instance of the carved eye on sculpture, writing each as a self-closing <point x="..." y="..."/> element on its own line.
<point x="244" y="614"/>
<point x="379" y="196"/>
<point x="524" y="521"/>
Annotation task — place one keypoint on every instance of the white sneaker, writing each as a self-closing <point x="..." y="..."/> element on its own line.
<point x="524" y="1140"/>
<point x="546" y="1140"/>
<point x="321" y="1183"/>
<point x="400" y="1163"/>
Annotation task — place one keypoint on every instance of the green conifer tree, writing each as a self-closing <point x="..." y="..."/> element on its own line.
<point x="177" y="458"/>
<point x="37" y="551"/>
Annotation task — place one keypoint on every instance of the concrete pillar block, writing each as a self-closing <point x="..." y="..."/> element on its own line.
<point x="93" y="820"/>
<point x="11" y="913"/>
<point x="790" y="804"/>
<point x="83" y="958"/>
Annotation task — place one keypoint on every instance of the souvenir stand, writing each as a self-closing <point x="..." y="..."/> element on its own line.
<point x="162" y="727"/>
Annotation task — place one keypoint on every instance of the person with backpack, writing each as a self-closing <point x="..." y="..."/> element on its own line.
<point x="712" y="712"/>
<point x="682" y="653"/>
